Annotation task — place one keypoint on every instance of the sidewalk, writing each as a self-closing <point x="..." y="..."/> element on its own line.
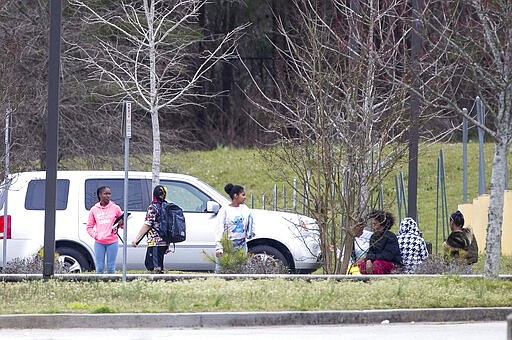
<point x="247" y="319"/>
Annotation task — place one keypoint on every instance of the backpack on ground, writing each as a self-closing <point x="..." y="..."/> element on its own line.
<point x="172" y="227"/>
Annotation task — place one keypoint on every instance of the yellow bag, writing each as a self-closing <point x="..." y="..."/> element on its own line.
<point x="353" y="270"/>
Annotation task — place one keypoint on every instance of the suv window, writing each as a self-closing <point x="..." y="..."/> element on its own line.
<point x="186" y="196"/>
<point x="34" y="200"/>
<point x="138" y="192"/>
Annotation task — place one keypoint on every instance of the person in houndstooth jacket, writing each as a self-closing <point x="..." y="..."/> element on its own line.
<point x="412" y="245"/>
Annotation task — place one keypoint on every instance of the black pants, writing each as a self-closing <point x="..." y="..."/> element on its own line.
<point x="155" y="258"/>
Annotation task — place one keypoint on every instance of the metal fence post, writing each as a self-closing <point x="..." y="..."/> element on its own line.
<point x="404" y="194"/>
<point x="437" y="204"/>
<point x="443" y="194"/>
<point x="465" y="157"/>
<point x="381" y="197"/>
<point x="274" y="196"/>
<point x="294" y="195"/>
<point x="306" y="191"/>
<point x="480" y="111"/>
<point x="398" y="198"/>
<point x="284" y="197"/>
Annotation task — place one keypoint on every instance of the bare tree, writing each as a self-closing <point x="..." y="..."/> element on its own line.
<point x="23" y="89"/>
<point x="471" y="54"/>
<point x="146" y="51"/>
<point x="340" y="113"/>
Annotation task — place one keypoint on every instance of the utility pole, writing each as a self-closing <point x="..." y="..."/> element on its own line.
<point x="52" y="138"/>
<point x="416" y="52"/>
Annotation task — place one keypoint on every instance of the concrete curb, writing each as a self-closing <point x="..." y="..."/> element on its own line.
<point x="179" y="277"/>
<point x="247" y="319"/>
<point x="509" y="327"/>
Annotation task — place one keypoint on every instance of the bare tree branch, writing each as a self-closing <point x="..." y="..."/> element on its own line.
<point x="151" y="57"/>
<point x="339" y="110"/>
<point x="471" y="56"/>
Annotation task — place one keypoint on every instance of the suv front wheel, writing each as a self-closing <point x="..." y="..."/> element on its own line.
<point x="264" y="250"/>
<point x="72" y="261"/>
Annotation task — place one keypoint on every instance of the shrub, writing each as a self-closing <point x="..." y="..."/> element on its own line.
<point x="436" y="264"/>
<point x="31" y="265"/>
<point x="266" y="264"/>
<point x="235" y="261"/>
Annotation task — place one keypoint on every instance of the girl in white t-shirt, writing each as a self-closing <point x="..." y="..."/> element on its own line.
<point x="234" y="220"/>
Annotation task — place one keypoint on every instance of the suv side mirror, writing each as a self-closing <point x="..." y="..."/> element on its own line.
<point x="212" y="207"/>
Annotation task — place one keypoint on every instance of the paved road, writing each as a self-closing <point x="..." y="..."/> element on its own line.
<point x="400" y="331"/>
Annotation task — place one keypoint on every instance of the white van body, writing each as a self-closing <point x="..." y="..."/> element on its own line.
<point x="289" y="237"/>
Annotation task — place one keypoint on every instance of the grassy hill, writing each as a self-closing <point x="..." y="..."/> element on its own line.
<point x="247" y="168"/>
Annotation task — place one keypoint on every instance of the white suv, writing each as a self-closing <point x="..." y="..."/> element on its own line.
<point x="292" y="238"/>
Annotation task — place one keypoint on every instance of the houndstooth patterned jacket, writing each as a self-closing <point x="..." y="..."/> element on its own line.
<point x="412" y="245"/>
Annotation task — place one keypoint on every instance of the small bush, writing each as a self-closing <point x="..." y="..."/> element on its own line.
<point x="235" y="261"/>
<point x="31" y="265"/>
<point x="257" y="264"/>
<point x="436" y="264"/>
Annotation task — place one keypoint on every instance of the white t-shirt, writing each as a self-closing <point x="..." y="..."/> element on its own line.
<point x="362" y="243"/>
<point x="236" y="221"/>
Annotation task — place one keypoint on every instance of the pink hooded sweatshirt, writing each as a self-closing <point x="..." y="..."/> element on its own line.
<point x="103" y="218"/>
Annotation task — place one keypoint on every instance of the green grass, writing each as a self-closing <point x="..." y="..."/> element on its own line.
<point x="217" y="295"/>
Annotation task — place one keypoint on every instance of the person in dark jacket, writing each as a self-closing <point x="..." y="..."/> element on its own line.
<point x="383" y="255"/>
<point x="157" y="246"/>
<point x="461" y="243"/>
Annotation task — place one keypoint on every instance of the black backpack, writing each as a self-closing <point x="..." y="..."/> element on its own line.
<point x="172" y="227"/>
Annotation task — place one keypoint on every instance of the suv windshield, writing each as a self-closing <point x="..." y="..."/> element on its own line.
<point x="186" y="196"/>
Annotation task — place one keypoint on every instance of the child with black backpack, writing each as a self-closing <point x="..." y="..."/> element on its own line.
<point x="157" y="246"/>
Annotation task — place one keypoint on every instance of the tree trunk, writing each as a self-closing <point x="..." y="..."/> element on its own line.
<point x="495" y="217"/>
<point x="153" y="93"/>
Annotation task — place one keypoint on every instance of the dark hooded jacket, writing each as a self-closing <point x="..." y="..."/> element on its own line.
<point x="384" y="247"/>
<point x="463" y="245"/>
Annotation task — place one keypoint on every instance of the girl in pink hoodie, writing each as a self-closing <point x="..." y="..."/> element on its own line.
<point x="101" y="218"/>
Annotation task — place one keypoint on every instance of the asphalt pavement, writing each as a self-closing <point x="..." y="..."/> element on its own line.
<point x="399" y="331"/>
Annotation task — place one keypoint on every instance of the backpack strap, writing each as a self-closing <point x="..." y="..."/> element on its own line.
<point x="173" y="249"/>
<point x="158" y="207"/>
